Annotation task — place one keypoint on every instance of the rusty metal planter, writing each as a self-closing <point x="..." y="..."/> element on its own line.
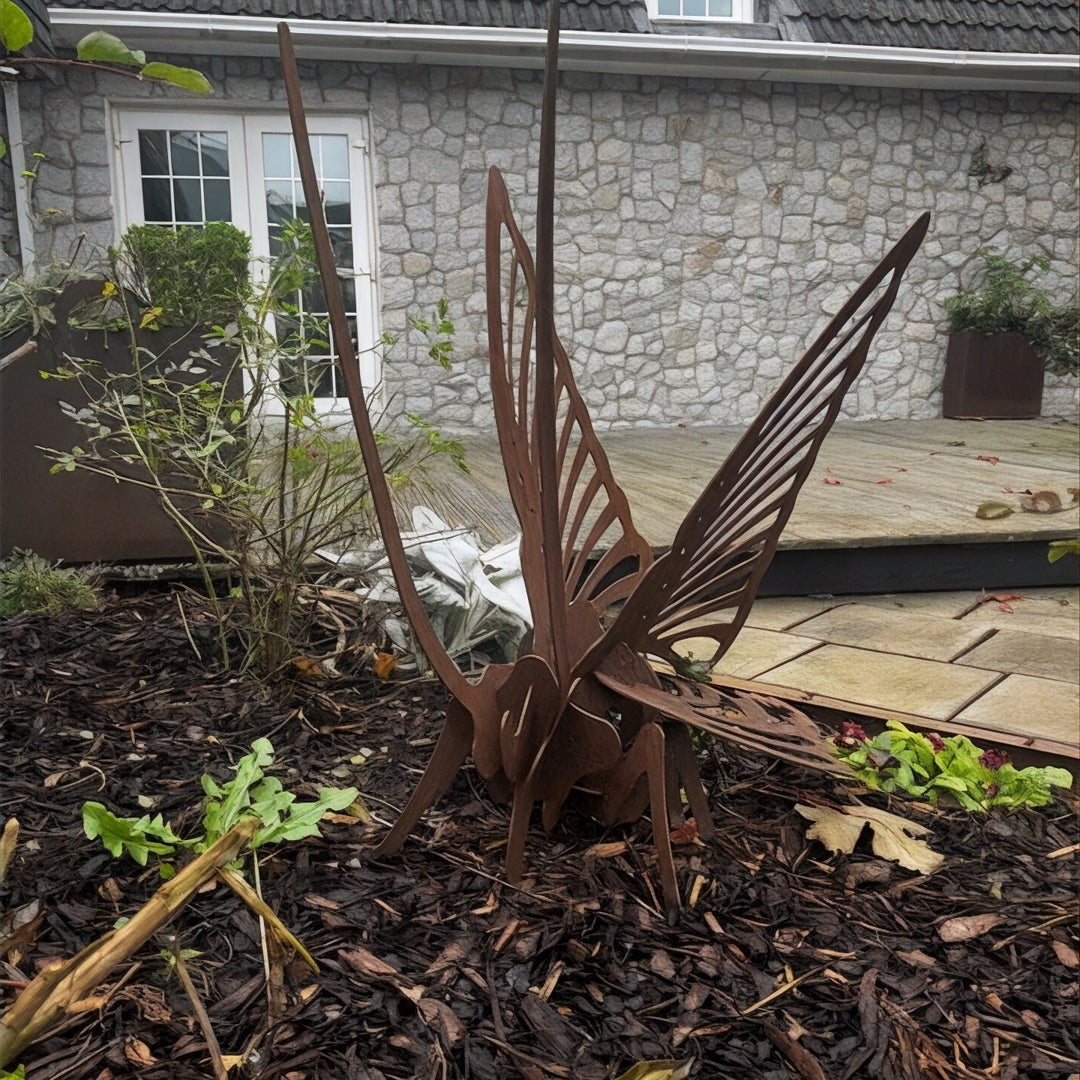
<point x="992" y="377"/>
<point x="76" y="517"/>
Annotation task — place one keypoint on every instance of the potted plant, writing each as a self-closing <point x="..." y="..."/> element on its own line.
<point x="1003" y="336"/>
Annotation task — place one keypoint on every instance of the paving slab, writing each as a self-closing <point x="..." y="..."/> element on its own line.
<point x="945" y="605"/>
<point x="1045" y="707"/>
<point x="1044" y="611"/>
<point x="756" y="651"/>
<point x="899" y="631"/>
<point x="783" y="612"/>
<point x="902" y="684"/>
<point x="1024" y="653"/>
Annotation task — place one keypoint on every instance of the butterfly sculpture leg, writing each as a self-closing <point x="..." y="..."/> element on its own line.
<point x="582" y="713"/>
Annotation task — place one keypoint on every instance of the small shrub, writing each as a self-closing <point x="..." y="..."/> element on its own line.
<point x="1008" y="301"/>
<point x="190" y="276"/>
<point x="30" y="583"/>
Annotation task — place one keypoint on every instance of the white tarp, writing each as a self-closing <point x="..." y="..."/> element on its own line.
<point x="473" y="597"/>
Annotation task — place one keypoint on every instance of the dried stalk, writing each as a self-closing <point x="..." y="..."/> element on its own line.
<point x="212" y="1045"/>
<point x="8" y="841"/>
<point x="60" y="987"/>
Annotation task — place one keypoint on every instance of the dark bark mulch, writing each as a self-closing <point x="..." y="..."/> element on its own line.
<point x="789" y="962"/>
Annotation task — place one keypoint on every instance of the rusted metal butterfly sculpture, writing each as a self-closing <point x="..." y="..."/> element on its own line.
<point x="582" y="711"/>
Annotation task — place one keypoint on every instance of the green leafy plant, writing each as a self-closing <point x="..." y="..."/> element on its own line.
<point x="98" y="49"/>
<point x="187" y="276"/>
<point x="251" y="792"/>
<point x="1008" y="302"/>
<point x="1060" y="548"/>
<point x="30" y="583"/>
<point x="929" y="766"/>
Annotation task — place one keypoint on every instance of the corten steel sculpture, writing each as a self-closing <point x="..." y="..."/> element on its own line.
<point x="581" y="710"/>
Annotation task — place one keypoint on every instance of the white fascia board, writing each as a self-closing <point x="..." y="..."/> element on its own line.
<point x="689" y="56"/>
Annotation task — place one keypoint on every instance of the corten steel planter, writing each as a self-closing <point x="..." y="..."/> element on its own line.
<point x="992" y="377"/>
<point x="76" y="516"/>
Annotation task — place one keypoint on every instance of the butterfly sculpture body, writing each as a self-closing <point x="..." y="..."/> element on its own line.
<point x="582" y="712"/>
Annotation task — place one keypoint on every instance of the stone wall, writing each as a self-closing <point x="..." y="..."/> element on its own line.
<point x="705" y="230"/>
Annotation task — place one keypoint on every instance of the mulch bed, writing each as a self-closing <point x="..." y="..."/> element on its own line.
<point x="791" y="963"/>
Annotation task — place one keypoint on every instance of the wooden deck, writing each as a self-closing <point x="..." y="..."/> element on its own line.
<point x="899" y="482"/>
<point x="1003" y="672"/>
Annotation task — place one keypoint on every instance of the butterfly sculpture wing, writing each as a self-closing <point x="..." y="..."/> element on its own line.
<point x="700" y="591"/>
<point x="593" y="511"/>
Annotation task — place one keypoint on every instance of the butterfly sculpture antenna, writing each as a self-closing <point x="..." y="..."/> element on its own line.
<point x="346" y="353"/>
<point x="550" y="623"/>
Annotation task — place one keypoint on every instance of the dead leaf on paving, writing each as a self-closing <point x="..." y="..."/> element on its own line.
<point x="893" y="837"/>
<point x="1041" y="502"/>
<point x="992" y="510"/>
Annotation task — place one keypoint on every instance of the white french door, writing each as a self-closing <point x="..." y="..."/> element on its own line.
<point x="182" y="168"/>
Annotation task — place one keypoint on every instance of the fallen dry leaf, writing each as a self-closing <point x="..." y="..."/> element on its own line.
<point x="439" y="1015"/>
<point x="660" y="1069"/>
<point x="1007" y="608"/>
<point x="966" y="927"/>
<point x="992" y="510"/>
<point x="686" y="833"/>
<point x="1001" y="597"/>
<point x="833" y="482"/>
<point x="894" y="837"/>
<point x="309" y="668"/>
<point x="988" y="457"/>
<point x="884" y="480"/>
<point x="1065" y="953"/>
<point x="137" y="1052"/>
<point x="1041" y="502"/>
<point x="384" y="665"/>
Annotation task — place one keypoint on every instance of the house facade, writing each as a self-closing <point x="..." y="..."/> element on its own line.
<point x="727" y="171"/>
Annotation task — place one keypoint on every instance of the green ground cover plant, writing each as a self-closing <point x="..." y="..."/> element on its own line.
<point x="30" y="583"/>
<point x="929" y="767"/>
<point x="251" y="793"/>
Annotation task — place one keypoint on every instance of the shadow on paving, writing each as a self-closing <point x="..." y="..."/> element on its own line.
<point x="790" y="963"/>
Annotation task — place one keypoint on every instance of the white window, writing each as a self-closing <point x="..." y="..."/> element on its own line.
<point x="726" y="10"/>
<point x="186" y="169"/>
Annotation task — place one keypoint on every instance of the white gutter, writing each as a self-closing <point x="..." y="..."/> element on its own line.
<point x="17" y="153"/>
<point x="638" y="54"/>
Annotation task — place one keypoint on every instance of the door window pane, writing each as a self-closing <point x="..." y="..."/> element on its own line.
<point x="185" y="176"/>
<point x="320" y="374"/>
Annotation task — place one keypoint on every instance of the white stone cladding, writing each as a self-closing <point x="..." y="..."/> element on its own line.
<point x="705" y="230"/>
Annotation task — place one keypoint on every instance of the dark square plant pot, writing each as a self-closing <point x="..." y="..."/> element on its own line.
<point x="992" y="377"/>
<point x="80" y="517"/>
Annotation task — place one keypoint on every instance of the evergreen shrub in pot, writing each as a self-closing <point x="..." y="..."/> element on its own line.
<point x="1003" y="336"/>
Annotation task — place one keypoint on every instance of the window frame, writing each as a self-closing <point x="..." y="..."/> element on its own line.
<point x="742" y="11"/>
<point x="245" y="128"/>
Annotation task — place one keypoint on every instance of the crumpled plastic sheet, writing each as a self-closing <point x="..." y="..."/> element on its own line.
<point x="476" y="600"/>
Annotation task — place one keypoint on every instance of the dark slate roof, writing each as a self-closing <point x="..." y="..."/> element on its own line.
<point x="612" y="15"/>
<point x="1028" y="26"/>
<point x="1018" y="26"/>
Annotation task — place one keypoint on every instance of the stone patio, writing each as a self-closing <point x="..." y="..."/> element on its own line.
<point x="970" y="660"/>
